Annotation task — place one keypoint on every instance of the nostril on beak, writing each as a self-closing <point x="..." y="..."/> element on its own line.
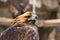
<point x="36" y="17"/>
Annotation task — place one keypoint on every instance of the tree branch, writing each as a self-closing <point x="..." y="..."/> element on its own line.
<point x="5" y="21"/>
<point x="49" y="23"/>
<point x="46" y="23"/>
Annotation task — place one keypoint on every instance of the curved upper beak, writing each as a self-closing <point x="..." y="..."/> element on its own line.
<point x="33" y="17"/>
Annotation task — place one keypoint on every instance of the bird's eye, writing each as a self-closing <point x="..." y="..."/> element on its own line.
<point x="27" y="16"/>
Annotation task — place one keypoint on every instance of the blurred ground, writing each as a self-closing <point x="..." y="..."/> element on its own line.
<point x="57" y="36"/>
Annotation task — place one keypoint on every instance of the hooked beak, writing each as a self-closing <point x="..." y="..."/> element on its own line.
<point x="33" y="17"/>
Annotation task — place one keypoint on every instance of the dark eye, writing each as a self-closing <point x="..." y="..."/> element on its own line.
<point x="27" y="16"/>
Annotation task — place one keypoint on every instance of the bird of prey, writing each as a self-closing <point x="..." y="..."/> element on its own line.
<point x="19" y="7"/>
<point x="21" y="29"/>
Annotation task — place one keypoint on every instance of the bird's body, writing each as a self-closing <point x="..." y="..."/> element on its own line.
<point x="24" y="32"/>
<point x="21" y="30"/>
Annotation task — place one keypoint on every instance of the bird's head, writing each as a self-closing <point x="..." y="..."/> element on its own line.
<point x="23" y="18"/>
